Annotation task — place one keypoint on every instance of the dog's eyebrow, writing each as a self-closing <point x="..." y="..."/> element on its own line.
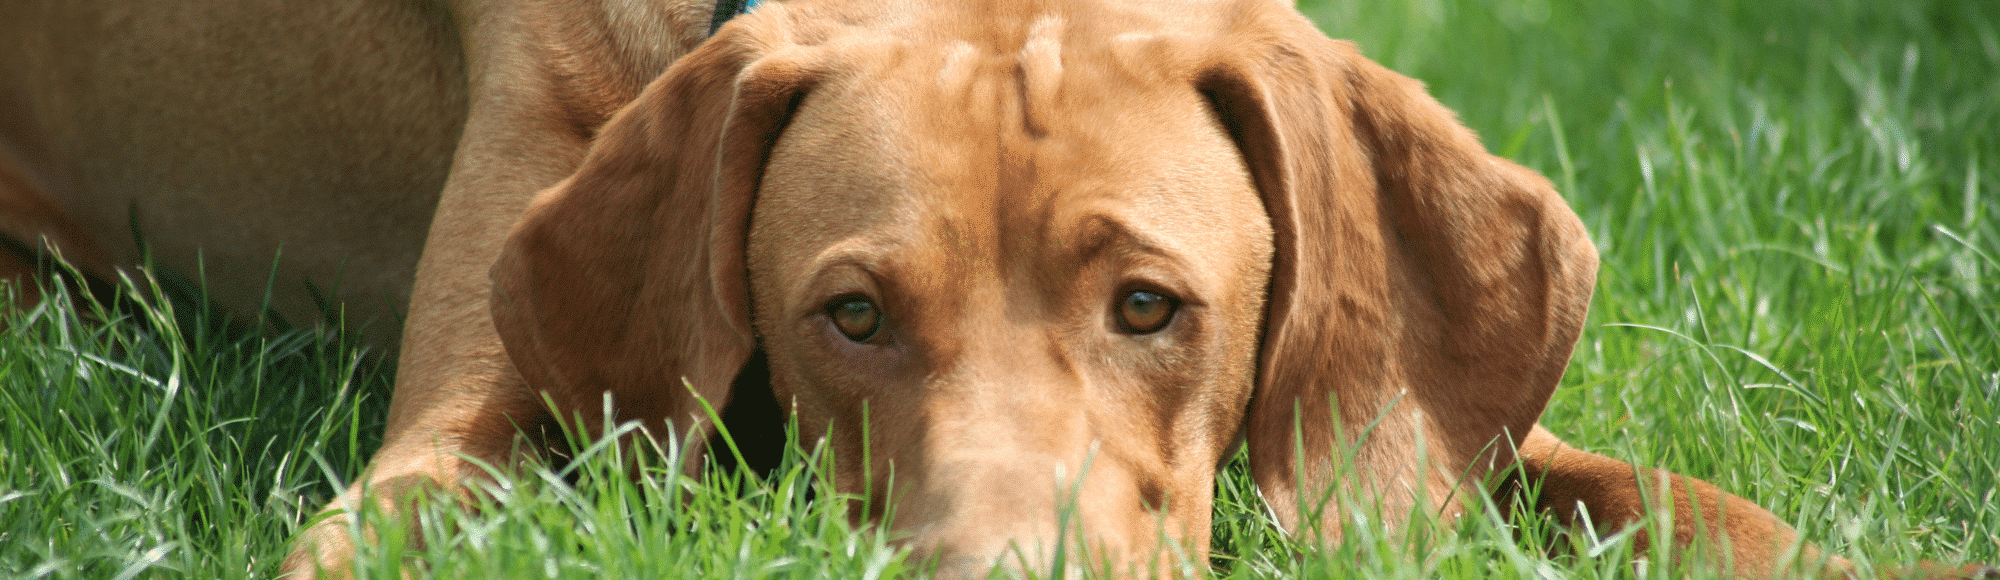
<point x="1097" y="234"/>
<point x="862" y="254"/>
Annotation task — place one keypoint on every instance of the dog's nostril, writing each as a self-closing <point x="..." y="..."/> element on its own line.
<point x="1151" y="495"/>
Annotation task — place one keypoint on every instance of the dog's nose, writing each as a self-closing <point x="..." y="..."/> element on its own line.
<point x="1041" y="488"/>
<point x="966" y="566"/>
<point x="978" y="518"/>
<point x="976" y="555"/>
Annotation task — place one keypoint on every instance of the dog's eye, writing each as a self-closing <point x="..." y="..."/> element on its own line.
<point x="857" y="318"/>
<point x="1142" y="312"/>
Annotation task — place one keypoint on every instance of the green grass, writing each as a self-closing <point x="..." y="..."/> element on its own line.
<point x="1795" y="202"/>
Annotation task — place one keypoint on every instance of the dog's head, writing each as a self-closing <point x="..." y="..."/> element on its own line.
<point x="1017" y="258"/>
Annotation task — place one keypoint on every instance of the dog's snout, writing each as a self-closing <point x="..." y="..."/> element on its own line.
<point x="968" y="549"/>
<point x="1027" y="512"/>
<point x="955" y="560"/>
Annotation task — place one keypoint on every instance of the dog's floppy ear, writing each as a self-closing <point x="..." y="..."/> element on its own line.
<point x="1426" y="294"/>
<point x="628" y="277"/>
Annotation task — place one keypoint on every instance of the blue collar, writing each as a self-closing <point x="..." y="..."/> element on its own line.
<point x="727" y="9"/>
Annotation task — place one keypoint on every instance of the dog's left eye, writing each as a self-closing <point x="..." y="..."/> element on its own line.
<point x="1142" y="312"/>
<point x="857" y="317"/>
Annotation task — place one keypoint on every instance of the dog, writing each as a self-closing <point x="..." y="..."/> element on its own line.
<point x="1010" y="247"/>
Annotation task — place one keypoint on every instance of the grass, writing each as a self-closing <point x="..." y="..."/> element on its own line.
<point x="1795" y="202"/>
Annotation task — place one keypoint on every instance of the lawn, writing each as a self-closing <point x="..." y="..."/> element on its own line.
<point x="1795" y="202"/>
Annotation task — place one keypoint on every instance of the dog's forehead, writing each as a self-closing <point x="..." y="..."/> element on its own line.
<point x="966" y="185"/>
<point x="1021" y="120"/>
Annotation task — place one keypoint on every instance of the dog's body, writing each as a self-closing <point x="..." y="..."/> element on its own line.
<point x="1020" y="237"/>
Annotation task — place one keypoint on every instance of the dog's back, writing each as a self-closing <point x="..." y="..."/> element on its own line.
<point x="221" y="133"/>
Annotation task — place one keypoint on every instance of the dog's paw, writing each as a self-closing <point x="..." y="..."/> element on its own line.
<point x="1935" y="571"/>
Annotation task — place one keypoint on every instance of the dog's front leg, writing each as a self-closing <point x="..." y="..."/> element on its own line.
<point x="457" y="397"/>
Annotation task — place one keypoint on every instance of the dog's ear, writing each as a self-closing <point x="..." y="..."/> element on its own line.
<point x="1426" y="294"/>
<point x="627" y="277"/>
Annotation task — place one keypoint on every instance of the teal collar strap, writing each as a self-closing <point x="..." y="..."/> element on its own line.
<point x="727" y="9"/>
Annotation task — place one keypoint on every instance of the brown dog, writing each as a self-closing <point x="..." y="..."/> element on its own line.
<point x="1042" y="246"/>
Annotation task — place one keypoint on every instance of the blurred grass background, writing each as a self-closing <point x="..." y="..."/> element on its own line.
<point x="1794" y="201"/>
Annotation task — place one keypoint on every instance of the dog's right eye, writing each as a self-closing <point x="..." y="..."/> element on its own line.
<point x="1142" y="312"/>
<point x="857" y="317"/>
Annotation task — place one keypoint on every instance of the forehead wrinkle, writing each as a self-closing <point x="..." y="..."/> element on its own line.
<point x="960" y="62"/>
<point x="1040" y="70"/>
<point x="992" y="186"/>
